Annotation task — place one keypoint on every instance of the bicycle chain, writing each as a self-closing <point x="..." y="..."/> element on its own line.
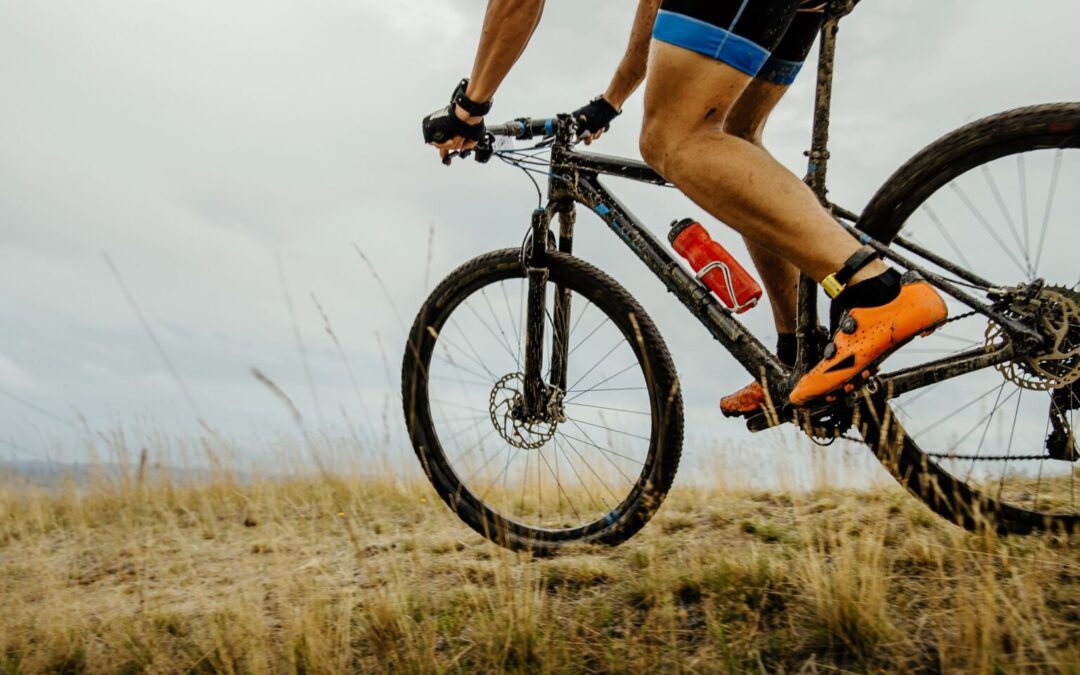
<point x="961" y="316"/>
<point x="992" y="458"/>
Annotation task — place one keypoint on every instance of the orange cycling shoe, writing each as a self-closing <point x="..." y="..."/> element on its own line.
<point x="866" y="336"/>
<point x="746" y="401"/>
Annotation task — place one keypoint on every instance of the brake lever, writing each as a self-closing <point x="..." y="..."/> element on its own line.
<point x="482" y="151"/>
<point x="462" y="154"/>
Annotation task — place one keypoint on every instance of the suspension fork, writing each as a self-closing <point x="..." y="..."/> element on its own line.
<point x="535" y="260"/>
<point x="560" y="343"/>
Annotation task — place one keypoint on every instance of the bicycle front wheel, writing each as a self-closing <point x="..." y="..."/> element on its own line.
<point x="603" y="459"/>
<point x="998" y="198"/>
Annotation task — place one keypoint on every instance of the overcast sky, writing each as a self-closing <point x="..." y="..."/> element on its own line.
<point x="230" y="156"/>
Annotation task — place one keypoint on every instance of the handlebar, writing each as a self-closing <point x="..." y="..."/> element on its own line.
<point x="522" y="128"/>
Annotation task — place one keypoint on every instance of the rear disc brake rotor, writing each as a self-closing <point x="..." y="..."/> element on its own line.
<point x="1059" y="365"/>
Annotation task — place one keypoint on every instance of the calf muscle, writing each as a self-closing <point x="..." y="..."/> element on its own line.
<point x="689" y="99"/>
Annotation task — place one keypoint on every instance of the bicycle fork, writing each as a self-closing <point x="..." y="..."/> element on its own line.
<point x="538" y="394"/>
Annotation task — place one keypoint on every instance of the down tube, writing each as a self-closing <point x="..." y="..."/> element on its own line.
<point x="747" y="349"/>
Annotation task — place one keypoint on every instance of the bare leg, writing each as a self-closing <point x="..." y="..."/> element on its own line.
<point x="746" y="120"/>
<point x="688" y="99"/>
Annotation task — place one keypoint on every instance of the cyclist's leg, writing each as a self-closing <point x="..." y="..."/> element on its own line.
<point x="747" y="120"/>
<point x="698" y="70"/>
<point x="687" y="98"/>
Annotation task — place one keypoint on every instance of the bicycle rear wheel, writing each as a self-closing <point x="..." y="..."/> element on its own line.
<point x="601" y="464"/>
<point x="993" y="197"/>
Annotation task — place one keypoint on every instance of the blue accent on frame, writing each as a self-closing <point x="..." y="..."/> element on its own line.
<point x="549" y="127"/>
<point x="779" y="71"/>
<point x="602" y="209"/>
<point x="712" y="41"/>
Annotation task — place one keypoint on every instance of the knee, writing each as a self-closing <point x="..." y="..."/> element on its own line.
<point x="658" y="140"/>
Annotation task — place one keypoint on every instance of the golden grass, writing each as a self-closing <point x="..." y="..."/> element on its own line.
<point x="332" y="576"/>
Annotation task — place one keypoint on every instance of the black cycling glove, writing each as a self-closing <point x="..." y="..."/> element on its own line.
<point x="443" y="124"/>
<point x="595" y="116"/>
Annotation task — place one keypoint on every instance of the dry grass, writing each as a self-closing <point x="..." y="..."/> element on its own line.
<point x="334" y="576"/>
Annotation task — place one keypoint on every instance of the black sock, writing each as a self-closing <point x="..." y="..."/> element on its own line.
<point x="786" y="345"/>
<point x="873" y="292"/>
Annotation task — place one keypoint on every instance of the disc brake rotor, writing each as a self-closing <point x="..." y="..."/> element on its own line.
<point x="1058" y="311"/>
<point x="506" y="407"/>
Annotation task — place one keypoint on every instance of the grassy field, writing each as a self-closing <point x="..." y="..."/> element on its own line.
<point x="329" y="576"/>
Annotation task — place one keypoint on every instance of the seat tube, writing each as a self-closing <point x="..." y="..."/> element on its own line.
<point x="535" y="313"/>
<point x="816" y="171"/>
<point x="561" y="339"/>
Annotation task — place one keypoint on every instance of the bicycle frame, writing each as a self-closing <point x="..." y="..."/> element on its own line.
<point x="575" y="179"/>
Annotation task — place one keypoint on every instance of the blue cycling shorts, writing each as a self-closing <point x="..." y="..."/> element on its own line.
<point x="767" y="39"/>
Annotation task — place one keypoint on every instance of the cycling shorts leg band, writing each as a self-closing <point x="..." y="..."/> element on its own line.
<point x="712" y="41"/>
<point x="767" y="39"/>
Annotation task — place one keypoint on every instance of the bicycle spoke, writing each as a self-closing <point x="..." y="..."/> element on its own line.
<point x="1049" y="207"/>
<point x="578" y="345"/>
<point x="577" y="321"/>
<point x="498" y="324"/>
<point x="600" y="407"/>
<point x="986" y="226"/>
<point x="1008" y="219"/>
<point x="597" y="364"/>
<point x="461" y="406"/>
<point x="601" y="426"/>
<point x="592" y="471"/>
<point x="483" y="466"/>
<point x="502" y="474"/>
<point x="559" y="485"/>
<point x="510" y="313"/>
<point x="475" y="358"/>
<point x="603" y="381"/>
<point x="1038" y="482"/>
<point x="584" y="487"/>
<point x="488" y="328"/>
<point x="610" y="452"/>
<point x="985" y="418"/>
<point x="1021" y="173"/>
<point x="959" y="410"/>
<point x="1008" y="450"/>
<point x="945" y="234"/>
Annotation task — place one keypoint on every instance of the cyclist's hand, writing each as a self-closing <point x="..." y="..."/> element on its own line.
<point x="447" y="130"/>
<point x="594" y="118"/>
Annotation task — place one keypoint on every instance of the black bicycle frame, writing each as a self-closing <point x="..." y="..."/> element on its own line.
<point x="575" y="179"/>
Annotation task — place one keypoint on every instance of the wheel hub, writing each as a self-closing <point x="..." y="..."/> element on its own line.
<point x="513" y="421"/>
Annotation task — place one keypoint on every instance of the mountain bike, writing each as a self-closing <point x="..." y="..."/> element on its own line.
<point x="544" y="406"/>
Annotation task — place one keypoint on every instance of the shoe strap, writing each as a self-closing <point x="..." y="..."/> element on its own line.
<point x="836" y="282"/>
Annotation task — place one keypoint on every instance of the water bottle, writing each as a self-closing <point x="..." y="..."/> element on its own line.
<point x="714" y="266"/>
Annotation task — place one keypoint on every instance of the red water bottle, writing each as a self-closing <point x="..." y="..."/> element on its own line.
<point x="714" y="266"/>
